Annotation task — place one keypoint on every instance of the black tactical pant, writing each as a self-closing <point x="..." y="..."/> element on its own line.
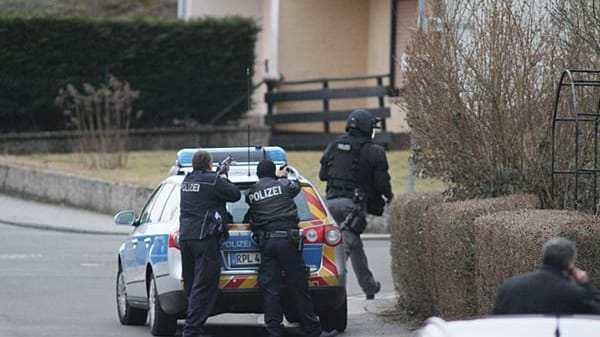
<point x="281" y="254"/>
<point x="353" y="246"/>
<point x="201" y="271"/>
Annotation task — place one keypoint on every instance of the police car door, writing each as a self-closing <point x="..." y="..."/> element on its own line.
<point x="142" y="239"/>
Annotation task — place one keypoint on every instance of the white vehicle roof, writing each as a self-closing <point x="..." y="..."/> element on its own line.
<point x="244" y="161"/>
<point x="514" y="326"/>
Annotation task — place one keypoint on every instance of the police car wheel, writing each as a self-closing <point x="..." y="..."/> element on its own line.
<point x="161" y="324"/>
<point x="335" y="320"/>
<point x="127" y="314"/>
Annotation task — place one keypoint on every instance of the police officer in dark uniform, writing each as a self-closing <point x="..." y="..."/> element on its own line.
<point x="356" y="171"/>
<point x="202" y="225"/>
<point x="274" y="221"/>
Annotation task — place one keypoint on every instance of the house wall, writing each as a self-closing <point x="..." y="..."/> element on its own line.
<point x="378" y="58"/>
<point x="379" y="38"/>
<point x="323" y="38"/>
<point x="334" y="38"/>
<point x="260" y="11"/>
<point x="406" y="24"/>
<point x="317" y="38"/>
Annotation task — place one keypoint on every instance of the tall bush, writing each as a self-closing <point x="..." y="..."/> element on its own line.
<point x="480" y="87"/>
<point x="103" y="117"/>
<point x="186" y="71"/>
<point x="580" y="28"/>
<point x="164" y="9"/>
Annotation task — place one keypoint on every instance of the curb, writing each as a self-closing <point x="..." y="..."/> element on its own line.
<point x="368" y="237"/>
<point x="375" y="236"/>
<point x="385" y="303"/>
<point x="58" y="228"/>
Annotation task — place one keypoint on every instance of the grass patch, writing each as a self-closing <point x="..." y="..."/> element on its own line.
<point x="148" y="168"/>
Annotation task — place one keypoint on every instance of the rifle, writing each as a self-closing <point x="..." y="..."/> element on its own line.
<point x="355" y="220"/>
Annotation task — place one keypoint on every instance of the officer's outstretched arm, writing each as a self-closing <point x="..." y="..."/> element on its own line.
<point x="227" y="191"/>
<point x="291" y="186"/>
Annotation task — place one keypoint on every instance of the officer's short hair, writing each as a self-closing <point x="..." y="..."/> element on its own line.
<point x="265" y="168"/>
<point x="201" y="160"/>
<point x="559" y="252"/>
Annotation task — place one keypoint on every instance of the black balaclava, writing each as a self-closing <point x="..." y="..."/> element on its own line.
<point x="265" y="168"/>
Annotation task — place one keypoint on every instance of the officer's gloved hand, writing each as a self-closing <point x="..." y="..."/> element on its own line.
<point x="389" y="198"/>
<point x="223" y="171"/>
<point x="282" y="173"/>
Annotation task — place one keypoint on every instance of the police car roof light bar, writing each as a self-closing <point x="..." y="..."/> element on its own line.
<point x="240" y="155"/>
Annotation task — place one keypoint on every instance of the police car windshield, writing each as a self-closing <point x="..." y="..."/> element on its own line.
<point x="239" y="208"/>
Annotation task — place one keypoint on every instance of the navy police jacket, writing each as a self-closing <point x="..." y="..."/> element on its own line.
<point x="272" y="204"/>
<point x="202" y="194"/>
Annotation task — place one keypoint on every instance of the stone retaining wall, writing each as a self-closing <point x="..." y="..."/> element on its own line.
<point x="139" y="139"/>
<point x="94" y="194"/>
<point x="60" y="188"/>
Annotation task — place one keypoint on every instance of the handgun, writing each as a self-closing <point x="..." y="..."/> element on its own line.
<point x="224" y="165"/>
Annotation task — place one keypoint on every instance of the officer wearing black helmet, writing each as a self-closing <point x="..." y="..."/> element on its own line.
<point x="273" y="218"/>
<point x="201" y="228"/>
<point x="356" y="171"/>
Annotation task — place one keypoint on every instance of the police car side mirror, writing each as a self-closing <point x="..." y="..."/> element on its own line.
<point x="125" y="218"/>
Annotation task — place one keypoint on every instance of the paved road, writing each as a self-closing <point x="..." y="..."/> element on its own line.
<point x="62" y="284"/>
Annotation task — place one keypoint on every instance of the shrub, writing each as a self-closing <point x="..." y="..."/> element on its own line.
<point x="480" y="90"/>
<point x="102" y="116"/>
<point x="433" y="251"/>
<point x="407" y="251"/>
<point x="579" y="20"/>
<point x="165" y="9"/>
<point x="509" y="243"/>
<point x="450" y="250"/>
<point x="186" y="71"/>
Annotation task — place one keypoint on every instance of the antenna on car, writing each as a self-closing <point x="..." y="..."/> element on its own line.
<point x="248" y="102"/>
<point x="248" y="150"/>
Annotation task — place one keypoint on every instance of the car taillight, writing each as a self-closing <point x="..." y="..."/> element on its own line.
<point x="333" y="235"/>
<point x="313" y="235"/>
<point x="329" y="234"/>
<point x="174" y="239"/>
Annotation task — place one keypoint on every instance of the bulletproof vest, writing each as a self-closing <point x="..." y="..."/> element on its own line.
<point x="344" y="165"/>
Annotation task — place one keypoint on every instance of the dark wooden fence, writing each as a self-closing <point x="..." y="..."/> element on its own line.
<point x="280" y="92"/>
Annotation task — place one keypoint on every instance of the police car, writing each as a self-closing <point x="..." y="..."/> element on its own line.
<point x="149" y="282"/>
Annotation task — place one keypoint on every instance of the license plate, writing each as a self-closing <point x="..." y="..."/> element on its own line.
<point x="244" y="259"/>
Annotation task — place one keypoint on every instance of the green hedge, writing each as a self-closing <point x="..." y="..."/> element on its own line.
<point x="184" y="70"/>
<point x="433" y="251"/>
<point x="510" y="243"/>
<point x="408" y="252"/>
